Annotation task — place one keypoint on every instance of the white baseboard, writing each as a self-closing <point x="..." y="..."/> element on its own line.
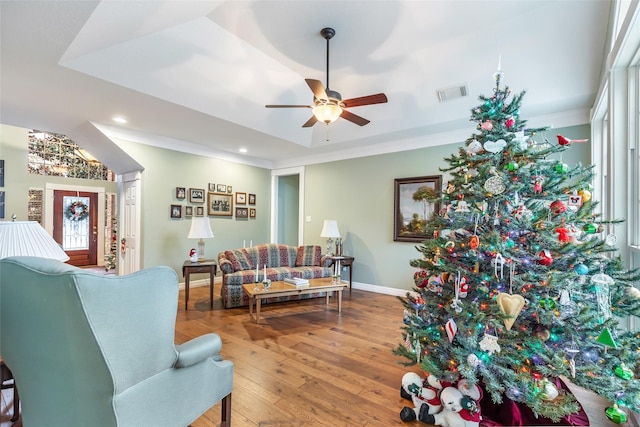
<point x="380" y="289"/>
<point x="200" y="282"/>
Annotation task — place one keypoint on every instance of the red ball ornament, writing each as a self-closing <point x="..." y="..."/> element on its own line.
<point x="545" y="258"/>
<point x="510" y="122"/>
<point x="558" y="207"/>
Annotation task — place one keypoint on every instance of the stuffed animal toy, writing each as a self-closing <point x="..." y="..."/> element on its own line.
<point x="193" y="255"/>
<point x="458" y="410"/>
<point x="425" y="395"/>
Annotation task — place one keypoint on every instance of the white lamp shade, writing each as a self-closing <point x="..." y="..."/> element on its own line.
<point x="200" y="228"/>
<point x="28" y="238"/>
<point x="330" y="229"/>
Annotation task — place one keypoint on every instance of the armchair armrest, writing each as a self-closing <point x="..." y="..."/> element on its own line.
<point x="197" y="350"/>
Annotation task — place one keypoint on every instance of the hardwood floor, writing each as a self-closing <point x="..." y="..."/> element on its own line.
<point x="307" y="365"/>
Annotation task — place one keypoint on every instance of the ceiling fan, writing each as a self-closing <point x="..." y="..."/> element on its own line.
<point x="328" y="104"/>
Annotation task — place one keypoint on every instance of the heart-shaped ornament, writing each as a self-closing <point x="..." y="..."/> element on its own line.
<point x="495" y="146"/>
<point x="510" y="305"/>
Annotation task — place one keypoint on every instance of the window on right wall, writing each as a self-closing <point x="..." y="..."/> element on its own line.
<point x="615" y="135"/>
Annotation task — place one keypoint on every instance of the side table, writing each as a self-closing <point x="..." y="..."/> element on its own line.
<point x="344" y="261"/>
<point x="189" y="268"/>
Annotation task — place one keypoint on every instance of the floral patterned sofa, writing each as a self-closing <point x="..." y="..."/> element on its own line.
<point x="239" y="266"/>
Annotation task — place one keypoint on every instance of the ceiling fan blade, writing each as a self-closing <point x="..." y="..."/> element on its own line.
<point x="312" y="121"/>
<point x="317" y="88"/>
<point x="379" y="98"/>
<point x="360" y="121"/>
<point x="288" y="106"/>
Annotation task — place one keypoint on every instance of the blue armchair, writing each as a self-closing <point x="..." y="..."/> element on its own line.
<point x="92" y="350"/>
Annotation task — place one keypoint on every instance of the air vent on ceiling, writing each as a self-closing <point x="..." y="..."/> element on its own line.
<point x="453" y="92"/>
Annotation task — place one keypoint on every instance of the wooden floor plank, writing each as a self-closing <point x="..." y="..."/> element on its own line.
<point x="305" y="364"/>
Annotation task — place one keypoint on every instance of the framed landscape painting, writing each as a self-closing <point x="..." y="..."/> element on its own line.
<point x="415" y="199"/>
<point x="220" y="204"/>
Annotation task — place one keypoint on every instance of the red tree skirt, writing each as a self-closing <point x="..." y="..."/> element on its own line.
<point x="510" y="413"/>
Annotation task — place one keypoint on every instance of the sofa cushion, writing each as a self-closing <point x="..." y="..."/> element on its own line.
<point x="276" y="255"/>
<point x="308" y="255"/>
<point x="240" y="260"/>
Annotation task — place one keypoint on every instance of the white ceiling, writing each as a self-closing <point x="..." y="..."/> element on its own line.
<point x="195" y="75"/>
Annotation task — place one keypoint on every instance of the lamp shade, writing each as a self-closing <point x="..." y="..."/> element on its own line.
<point x="200" y="228"/>
<point x="28" y="238"/>
<point x="330" y="229"/>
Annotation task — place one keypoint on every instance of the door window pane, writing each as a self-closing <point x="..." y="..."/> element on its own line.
<point x="75" y="230"/>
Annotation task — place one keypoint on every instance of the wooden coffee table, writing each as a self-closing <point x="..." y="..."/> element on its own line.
<point x="279" y="289"/>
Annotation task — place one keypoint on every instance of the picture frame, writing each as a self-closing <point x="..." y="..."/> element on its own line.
<point x="196" y="195"/>
<point x="252" y="213"/>
<point x="252" y="199"/>
<point x="241" y="198"/>
<point x="188" y="211"/>
<point x="212" y="187"/>
<point x="199" y="210"/>
<point x="1" y="173"/>
<point x="242" y="213"/>
<point x="229" y="189"/>
<point x="221" y="188"/>
<point x="219" y="204"/>
<point x="181" y="193"/>
<point x="1" y="204"/>
<point x="415" y="199"/>
<point x="176" y="211"/>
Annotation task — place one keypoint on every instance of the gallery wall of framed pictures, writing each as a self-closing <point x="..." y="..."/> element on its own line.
<point x="215" y="200"/>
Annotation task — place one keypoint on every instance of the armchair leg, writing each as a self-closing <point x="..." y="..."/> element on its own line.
<point x="226" y="411"/>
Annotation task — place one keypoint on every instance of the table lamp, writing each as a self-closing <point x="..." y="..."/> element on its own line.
<point x="200" y="229"/>
<point x="28" y="238"/>
<point x="330" y="230"/>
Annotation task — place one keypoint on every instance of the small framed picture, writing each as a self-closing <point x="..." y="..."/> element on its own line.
<point x="181" y="193"/>
<point x="196" y="195"/>
<point x="188" y="211"/>
<point x="252" y="199"/>
<point x="229" y="189"/>
<point x="176" y="211"/>
<point x="252" y="213"/>
<point x="221" y="188"/>
<point x="212" y="186"/>
<point x="199" y="210"/>
<point x="242" y="213"/>
<point x="241" y="198"/>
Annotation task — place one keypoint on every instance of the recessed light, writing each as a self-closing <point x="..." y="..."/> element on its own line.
<point x="119" y="119"/>
<point x="242" y="150"/>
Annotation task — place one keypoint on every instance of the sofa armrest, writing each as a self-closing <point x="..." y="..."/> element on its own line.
<point x="326" y="261"/>
<point x="197" y="350"/>
<point x="225" y="265"/>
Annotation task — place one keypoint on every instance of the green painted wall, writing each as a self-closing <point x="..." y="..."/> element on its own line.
<point x="359" y="194"/>
<point x="164" y="239"/>
<point x="288" y="203"/>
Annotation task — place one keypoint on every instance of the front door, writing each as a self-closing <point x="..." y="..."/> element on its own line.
<point x="75" y="225"/>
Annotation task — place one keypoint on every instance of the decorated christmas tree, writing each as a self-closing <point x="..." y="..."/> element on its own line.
<point x="520" y="284"/>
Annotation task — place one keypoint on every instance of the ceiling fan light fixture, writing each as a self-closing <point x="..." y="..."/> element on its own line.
<point x="327" y="113"/>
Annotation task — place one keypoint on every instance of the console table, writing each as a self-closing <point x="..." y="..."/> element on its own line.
<point x="189" y="268"/>
<point x="344" y="261"/>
